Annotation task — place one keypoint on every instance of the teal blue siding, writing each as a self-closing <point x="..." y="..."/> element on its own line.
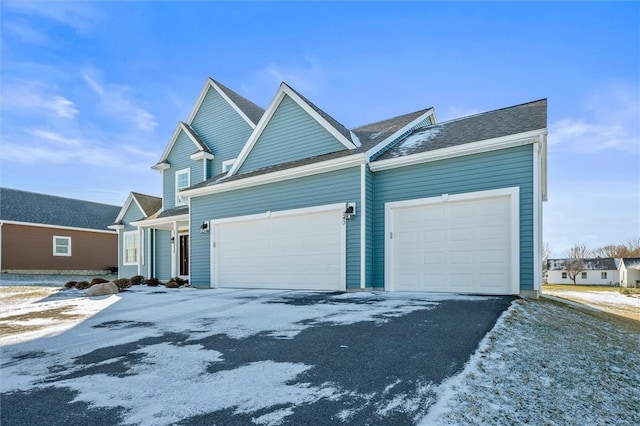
<point x="341" y="186"/>
<point x="179" y="159"/>
<point x="369" y="242"/>
<point x="291" y="135"/>
<point x="162" y="255"/>
<point x="492" y="170"/>
<point x="132" y="214"/>
<point x="221" y="128"/>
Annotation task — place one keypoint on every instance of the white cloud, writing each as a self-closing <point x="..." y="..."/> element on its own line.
<point x="33" y="97"/>
<point x="609" y="120"/>
<point x="46" y="135"/>
<point x="116" y="101"/>
<point x="75" y="14"/>
<point x="21" y="30"/>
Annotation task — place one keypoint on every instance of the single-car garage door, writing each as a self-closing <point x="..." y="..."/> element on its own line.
<point x="294" y="249"/>
<point x="466" y="243"/>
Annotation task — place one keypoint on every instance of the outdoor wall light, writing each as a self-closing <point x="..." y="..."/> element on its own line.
<point x="349" y="212"/>
<point x="204" y="228"/>
<point x="173" y="240"/>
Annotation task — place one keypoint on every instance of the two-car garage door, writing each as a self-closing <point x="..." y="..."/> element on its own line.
<point x="294" y="249"/>
<point x="464" y="243"/>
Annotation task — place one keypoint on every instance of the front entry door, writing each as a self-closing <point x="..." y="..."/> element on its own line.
<point x="184" y="255"/>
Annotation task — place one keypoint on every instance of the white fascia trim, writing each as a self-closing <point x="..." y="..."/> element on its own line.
<point x="281" y="213"/>
<point x="283" y="91"/>
<point x="202" y="155"/>
<point x="151" y="223"/>
<point x="126" y="205"/>
<point x="487" y="145"/>
<point x="69" y="228"/>
<point x="203" y="94"/>
<point x="397" y="134"/>
<point x="115" y="227"/>
<point x="514" y="202"/>
<point x="161" y="167"/>
<point x="288" y="174"/>
<point x="179" y="128"/>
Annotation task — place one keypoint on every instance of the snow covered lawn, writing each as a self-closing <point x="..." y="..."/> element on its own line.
<point x="607" y="299"/>
<point x="155" y="356"/>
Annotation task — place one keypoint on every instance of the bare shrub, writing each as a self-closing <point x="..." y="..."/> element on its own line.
<point x="82" y="285"/>
<point x="122" y="283"/>
<point x="152" y="282"/>
<point x="70" y="284"/>
<point x="137" y="280"/>
<point x="97" y="280"/>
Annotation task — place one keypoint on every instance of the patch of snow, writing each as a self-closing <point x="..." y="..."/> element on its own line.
<point x="415" y="141"/>
<point x="545" y="363"/>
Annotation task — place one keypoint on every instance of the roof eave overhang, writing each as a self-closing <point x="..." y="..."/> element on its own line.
<point x="487" y="145"/>
<point x="158" y="222"/>
<point x="381" y="145"/>
<point x="281" y="175"/>
<point x="202" y="155"/>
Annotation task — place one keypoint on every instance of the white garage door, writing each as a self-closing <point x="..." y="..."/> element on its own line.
<point x="295" y="249"/>
<point x="466" y="243"/>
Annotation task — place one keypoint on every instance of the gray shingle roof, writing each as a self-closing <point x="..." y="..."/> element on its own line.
<point x="605" y="264"/>
<point x="194" y="135"/>
<point x="488" y="125"/>
<point x="174" y="212"/>
<point x="149" y="203"/>
<point x="332" y="121"/>
<point x="251" y="110"/>
<point x="31" y="207"/>
<point x="631" y="262"/>
<point x="372" y="134"/>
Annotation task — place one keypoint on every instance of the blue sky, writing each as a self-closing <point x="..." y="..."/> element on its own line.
<point x="92" y="91"/>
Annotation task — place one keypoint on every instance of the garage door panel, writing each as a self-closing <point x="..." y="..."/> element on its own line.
<point x="298" y="250"/>
<point x="458" y="246"/>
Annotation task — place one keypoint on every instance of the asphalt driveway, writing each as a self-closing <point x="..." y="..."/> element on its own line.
<point x="238" y="357"/>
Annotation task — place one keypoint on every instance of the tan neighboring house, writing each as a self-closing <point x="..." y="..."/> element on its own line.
<point x="46" y="234"/>
<point x="630" y="272"/>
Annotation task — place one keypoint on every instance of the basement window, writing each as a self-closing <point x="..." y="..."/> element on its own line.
<point x="61" y="246"/>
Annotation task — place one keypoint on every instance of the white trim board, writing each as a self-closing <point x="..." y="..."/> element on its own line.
<point x="282" y="175"/>
<point x="209" y="83"/>
<point x="372" y="151"/>
<point x="179" y="128"/>
<point x="44" y="225"/>
<point x="487" y="145"/>
<point x="283" y="91"/>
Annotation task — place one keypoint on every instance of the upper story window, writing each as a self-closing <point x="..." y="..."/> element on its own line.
<point x="183" y="180"/>
<point x="61" y="246"/>
<point x="226" y="165"/>
<point x="130" y="247"/>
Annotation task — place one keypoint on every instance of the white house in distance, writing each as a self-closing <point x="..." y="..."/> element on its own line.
<point x="596" y="272"/>
<point x="630" y="272"/>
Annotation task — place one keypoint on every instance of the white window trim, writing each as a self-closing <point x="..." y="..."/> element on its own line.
<point x="57" y="237"/>
<point x="124" y="248"/>
<point x="227" y="165"/>
<point x="179" y="201"/>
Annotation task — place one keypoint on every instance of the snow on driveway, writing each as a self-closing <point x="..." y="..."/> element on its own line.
<point x="161" y="356"/>
<point x="156" y="356"/>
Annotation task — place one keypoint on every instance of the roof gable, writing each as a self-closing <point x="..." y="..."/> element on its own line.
<point x="146" y="204"/>
<point x="301" y="119"/>
<point x="43" y="209"/>
<point x="181" y="128"/>
<point x="246" y="109"/>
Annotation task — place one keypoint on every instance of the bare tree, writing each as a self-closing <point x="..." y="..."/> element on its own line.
<point x="575" y="261"/>
<point x="630" y="249"/>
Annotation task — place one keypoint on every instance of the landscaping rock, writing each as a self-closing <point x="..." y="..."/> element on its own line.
<point x="101" y="289"/>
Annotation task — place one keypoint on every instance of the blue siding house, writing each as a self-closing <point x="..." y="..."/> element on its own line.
<point x="289" y="198"/>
